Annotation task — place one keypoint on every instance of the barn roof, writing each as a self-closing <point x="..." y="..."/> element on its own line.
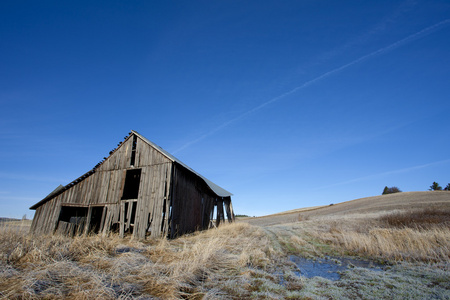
<point x="219" y="191"/>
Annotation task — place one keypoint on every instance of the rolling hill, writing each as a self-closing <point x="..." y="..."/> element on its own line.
<point x="376" y="205"/>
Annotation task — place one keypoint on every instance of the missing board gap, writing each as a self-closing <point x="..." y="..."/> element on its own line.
<point x="133" y="151"/>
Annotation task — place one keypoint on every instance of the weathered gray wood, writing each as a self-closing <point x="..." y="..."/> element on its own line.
<point x="172" y="200"/>
<point x="65" y="228"/>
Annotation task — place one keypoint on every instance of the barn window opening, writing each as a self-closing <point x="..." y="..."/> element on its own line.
<point x="133" y="151"/>
<point x="131" y="186"/>
<point x="72" y="220"/>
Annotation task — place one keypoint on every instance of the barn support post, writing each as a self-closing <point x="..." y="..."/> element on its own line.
<point x="106" y="227"/>
<point x="88" y="221"/>
<point x="207" y="211"/>
<point x="168" y="201"/>
<point x="174" y="203"/>
<point x="229" y="209"/>
<point x="102" y="222"/>
<point x="220" y="215"/>
<point x="122" y="220"/>
<point x="129" y="204"/>
<point x="212" y="203"/>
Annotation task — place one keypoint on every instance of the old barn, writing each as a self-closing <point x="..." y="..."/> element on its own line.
<point x="139" y="189"/>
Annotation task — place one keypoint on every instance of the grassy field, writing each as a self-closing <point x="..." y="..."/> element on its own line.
<point x="409" y="235"/>
<point x="359" y="208"/>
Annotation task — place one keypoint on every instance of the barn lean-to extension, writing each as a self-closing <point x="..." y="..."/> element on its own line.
<point x="139" y="189"/>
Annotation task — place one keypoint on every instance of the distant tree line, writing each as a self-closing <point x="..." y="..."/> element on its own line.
<point x="391" y="190"/>
<point x="434" y="187"/>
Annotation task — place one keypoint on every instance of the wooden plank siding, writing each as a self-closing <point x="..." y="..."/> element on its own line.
<point x="172" y="200"/>
<point x="193" y="203"/>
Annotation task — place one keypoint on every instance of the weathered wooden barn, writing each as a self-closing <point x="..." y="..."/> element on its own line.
<point x="139" y="189"/>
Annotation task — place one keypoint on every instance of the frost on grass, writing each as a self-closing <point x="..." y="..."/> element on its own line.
<point x="403" y="281"/>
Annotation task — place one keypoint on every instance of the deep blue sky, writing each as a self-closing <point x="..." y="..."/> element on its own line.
<point x="286" y="104"/>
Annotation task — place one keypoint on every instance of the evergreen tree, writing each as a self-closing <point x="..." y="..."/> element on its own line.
<point x="435" y="187"/>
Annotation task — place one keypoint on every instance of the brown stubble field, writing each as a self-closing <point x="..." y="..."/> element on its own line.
<point x="247" y="259"/>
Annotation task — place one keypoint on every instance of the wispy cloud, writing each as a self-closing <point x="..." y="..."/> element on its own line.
<point x="384" y="174"/>
<point x="377" y="30"/>
<point x="417" y="35"/>
<point x="25" y="199"/>
<point x="22" y="177"/>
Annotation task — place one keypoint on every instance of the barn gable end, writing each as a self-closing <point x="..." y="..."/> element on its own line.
<point x="139" y="189"/>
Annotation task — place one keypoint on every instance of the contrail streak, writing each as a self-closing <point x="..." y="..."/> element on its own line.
<point x="406" y="40"/>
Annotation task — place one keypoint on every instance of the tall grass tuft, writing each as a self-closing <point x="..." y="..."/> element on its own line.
<point x="398" y="244"/>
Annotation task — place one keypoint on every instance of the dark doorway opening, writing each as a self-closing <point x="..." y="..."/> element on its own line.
<point x="97" y="219"/>
<point x="130" y="212"/>
<point x="131" y="186"/>
<point x="127" y="217"/>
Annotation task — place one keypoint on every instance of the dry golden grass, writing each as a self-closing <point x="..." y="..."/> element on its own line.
<point x="238" y="261"/>
<point x="408" y="235"/>
<point x="205" y="264"/>
<point x="373" y="238"/>
<point x="394" y="244"/>
<point x="412" y="226"/>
